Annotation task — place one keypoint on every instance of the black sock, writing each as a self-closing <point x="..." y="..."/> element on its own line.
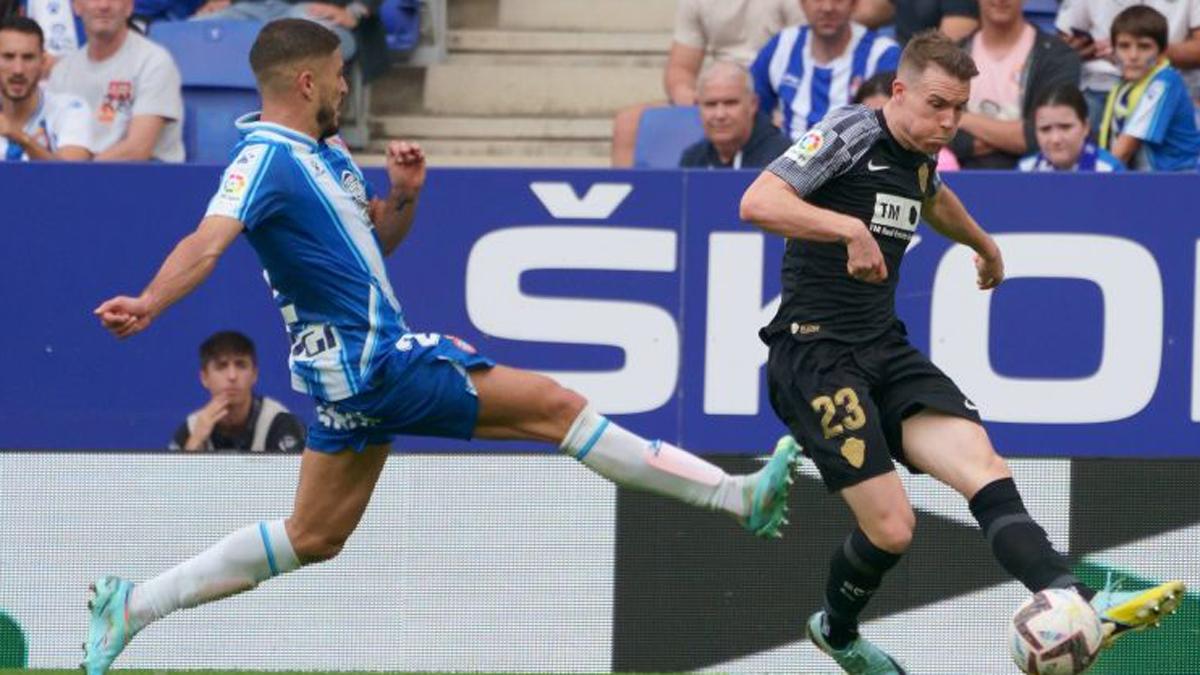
<point x="1020" y="544"/>
<point x="856" y="570"/>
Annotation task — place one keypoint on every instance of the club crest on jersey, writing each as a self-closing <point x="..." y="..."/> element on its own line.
<point x="354" y="186"/>
<point x="923" y="177"/>
<point x="807" y="147"/>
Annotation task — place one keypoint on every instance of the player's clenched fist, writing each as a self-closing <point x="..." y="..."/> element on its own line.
<point x="124" y="316"/>
<point x="864" y="260"/>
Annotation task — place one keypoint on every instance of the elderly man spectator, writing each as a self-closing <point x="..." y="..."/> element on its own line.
<point x="806" y="71"/>
<point x="1017" y="64"/>
<point x="726" y="30"/>
<point x="735" y="135"/>
<point x="130" y="83"/>
<point x="36" y="124"/>
<point x="235" y="418"/>
<point x="955" y="18"/>
<point x="1086" y="24"/>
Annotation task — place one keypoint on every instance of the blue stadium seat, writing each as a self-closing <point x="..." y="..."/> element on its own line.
<point x="664" y="133"/>
<point x="402" y="21"/>
<point x="1042" y="14"/>
<point x="218" y="85"/>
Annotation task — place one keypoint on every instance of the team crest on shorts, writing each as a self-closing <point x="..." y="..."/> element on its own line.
<point x="855" y="452"/>
<point x="462" y="344"/>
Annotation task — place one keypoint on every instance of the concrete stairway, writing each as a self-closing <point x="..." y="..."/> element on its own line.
<point x="527" y="82"/>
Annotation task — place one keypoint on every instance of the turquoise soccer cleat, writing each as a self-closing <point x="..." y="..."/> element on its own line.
<point x="1124" y="612"/>
<point x="109" y="629"/>
<point x="860" y="657"/>
<point x="768" y="499"/>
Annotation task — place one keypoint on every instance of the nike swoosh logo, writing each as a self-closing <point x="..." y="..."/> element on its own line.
<point x="872" y="166"/>
<point x="970" y="406"/>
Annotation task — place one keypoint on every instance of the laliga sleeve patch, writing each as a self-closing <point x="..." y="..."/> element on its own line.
<point x="807" y="147"/>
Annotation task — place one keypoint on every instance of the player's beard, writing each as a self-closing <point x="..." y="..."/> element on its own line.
<point x="327" y="120"/>
<point x="30" y="88"/>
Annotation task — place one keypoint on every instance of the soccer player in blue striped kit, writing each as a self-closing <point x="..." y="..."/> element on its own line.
<point x="321" y="236"/>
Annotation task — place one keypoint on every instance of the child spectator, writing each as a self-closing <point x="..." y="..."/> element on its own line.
<point x="1149" y="121"/>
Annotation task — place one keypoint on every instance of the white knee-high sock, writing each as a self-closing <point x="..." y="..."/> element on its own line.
<point x="654" y="466"/>
<point x="237" y="563"/>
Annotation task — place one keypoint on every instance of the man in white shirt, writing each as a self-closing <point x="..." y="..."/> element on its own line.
<point x="131" y="84"/>
<point x="36" y="125"/>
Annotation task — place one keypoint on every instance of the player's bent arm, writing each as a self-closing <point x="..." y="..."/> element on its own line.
<point x="138" y="144"/>
<point x="773" y="205"/>
<point x="190" y="263"/>
<point x="393" y="218"/>
<point x="946" y="213"/>
<point x="1125" y="147"/>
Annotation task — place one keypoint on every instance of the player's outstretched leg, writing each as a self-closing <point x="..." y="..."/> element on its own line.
<point x="516" y="404"/>
<point x="333" y="494"/>
<point x="958" y="452"/>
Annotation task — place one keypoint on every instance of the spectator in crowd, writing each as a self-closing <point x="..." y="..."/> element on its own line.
<point x="146" y="12"/>
<point x="235" y="418"/>
<point x="876" y="91"/>
<point x="62" y="30"/>
<point x="36" y="124"/>
<point x="735" y="135"/>
<point x="355" y="22"/>
<point x="1149" y="121"/>
<point x="1086" y="25"/>
<point x="1017" y="64"/>
<point x="726" y="30"/>
<point x="955" y="18"/>
<point x="1060" y="119"/>
<point x="806" y="71"/>
<point x="131" y="85"/>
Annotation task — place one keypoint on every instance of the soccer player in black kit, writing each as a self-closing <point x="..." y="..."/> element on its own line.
<point x="843" y="376"/>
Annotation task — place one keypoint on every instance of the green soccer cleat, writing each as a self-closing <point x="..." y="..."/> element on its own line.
<point x="109" y="630"/>
<point x="769" y="491"/>
<point x="1124" y="612"/>
<point x="860" y="657"/>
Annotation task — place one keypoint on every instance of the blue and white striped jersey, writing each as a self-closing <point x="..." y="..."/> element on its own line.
<point x="786" y="76"/>
<point x="304" y="206"/>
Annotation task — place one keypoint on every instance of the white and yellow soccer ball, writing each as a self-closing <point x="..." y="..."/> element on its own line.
<point x="1055" y="632"/>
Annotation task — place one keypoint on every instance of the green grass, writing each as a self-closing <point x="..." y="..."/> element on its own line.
<point x="124" y="671"/>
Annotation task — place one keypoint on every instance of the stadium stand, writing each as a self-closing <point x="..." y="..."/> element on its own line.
<point x="218" y="86"/>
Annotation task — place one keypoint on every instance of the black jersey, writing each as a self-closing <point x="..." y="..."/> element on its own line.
<point x="849" y="163"/>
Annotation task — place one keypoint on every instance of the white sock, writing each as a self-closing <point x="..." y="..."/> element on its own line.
<point x="236" y="563"/>
<point x="654" y="466"/>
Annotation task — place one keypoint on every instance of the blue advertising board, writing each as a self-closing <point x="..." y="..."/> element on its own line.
<point x="641" y="289"/>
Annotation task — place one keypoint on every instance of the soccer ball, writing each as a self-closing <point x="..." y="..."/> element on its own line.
<point x="1056" y="632"/>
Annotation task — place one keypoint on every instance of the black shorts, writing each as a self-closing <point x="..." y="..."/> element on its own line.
<point x="845" y="402"/>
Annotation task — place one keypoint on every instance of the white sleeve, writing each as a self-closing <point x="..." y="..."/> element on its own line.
<point x="1073" y="15"/>
<point x="74" y="124"/>
<point x="246" y="193"/>
<point x="159" y="90"/>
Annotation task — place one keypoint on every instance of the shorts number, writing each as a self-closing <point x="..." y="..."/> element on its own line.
<point x="854" y="418"/>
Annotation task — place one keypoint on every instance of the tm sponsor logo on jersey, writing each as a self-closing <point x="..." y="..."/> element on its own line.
<point x="895" y="216"/>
